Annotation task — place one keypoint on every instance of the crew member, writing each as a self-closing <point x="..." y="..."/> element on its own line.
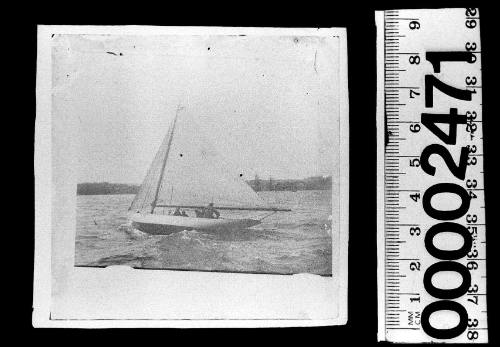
<point x="211" y="212"/>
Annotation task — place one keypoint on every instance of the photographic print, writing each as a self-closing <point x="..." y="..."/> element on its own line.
<point x="241" y="180"/>
<point x="211" y="151"/>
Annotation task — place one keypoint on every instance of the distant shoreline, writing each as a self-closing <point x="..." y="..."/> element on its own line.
<point x="258" y="185"/>
<point x="106" y="188"/>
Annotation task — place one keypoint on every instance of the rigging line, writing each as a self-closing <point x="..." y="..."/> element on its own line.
<point x="268" y="215"/>
<point x="153" y="186"/>
<point x="148" y="191"/>
<point x="148" y="185"/>
<point x="155" y="170"/>
<point x="143" y="193"/>
<point x="149" y="188"/>
<point x="145" y="189"/>
<point x="153" y="205"/>
<point x="138" y="202"/>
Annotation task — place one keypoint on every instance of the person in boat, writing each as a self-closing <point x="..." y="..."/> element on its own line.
<point x="211" y="212"/>
<point x="177" y="211"/>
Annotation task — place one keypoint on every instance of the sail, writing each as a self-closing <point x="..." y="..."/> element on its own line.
<point x="194" y="174"/>
<point x="147" y="191"/>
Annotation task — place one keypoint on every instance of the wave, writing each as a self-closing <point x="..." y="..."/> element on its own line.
<point x="132" y="233"/>
<point x="243" y="234"/>
<point x="187" y="236"/>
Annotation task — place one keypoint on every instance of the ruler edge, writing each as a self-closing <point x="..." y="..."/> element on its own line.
<point x="380" y="123"/>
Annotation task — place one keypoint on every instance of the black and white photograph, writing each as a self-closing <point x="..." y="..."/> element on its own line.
<point x="242" y="177"/>
<point x="324" y="175"/>
<point x="202" y="151"/>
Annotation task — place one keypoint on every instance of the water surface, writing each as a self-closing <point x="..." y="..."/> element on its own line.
<point x="286" y="242"/>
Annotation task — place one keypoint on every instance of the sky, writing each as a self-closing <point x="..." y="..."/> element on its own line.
<point x="268" y="104"/>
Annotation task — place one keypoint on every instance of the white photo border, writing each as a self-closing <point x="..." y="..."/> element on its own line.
<point x="187" y="298"/>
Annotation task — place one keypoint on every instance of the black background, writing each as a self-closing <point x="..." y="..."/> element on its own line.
<point x="359" y="20"/>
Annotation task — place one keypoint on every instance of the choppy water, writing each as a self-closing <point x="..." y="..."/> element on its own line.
<point x="286" y="242"/>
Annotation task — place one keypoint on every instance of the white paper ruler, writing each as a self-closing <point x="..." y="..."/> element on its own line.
<point x="431" y="221"/>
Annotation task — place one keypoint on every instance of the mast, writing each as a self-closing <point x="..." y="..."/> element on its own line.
<point x="153" y="204"/>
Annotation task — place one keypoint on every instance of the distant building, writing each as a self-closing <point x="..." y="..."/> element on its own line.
<point x="309" y="183"/>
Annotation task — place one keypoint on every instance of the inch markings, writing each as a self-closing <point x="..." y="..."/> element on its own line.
<point x="431" y="232"/>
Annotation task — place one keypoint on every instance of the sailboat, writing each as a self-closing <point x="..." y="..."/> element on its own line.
<point x="188" y="173"/>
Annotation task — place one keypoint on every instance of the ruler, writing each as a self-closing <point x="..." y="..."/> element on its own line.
<point x="431" y="220"/>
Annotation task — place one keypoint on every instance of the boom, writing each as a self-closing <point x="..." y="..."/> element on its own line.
<point x="231" y="208"/>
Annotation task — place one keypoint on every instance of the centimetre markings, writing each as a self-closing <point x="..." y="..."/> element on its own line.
<point x="403" y="300"/>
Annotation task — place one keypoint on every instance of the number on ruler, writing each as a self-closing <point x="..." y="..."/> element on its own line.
<point x="457" y="170"/>
<point x="453" y="119"/>
<point x="435" y="58"/>
<point x="432" y="81"/>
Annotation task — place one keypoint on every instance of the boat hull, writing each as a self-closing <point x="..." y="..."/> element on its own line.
<point x="166" y="224"/>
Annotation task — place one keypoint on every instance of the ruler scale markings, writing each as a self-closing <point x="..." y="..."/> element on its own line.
<point x="403" y="259"/>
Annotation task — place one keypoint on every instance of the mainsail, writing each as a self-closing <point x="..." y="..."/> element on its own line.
<point x="188" y="171"/>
